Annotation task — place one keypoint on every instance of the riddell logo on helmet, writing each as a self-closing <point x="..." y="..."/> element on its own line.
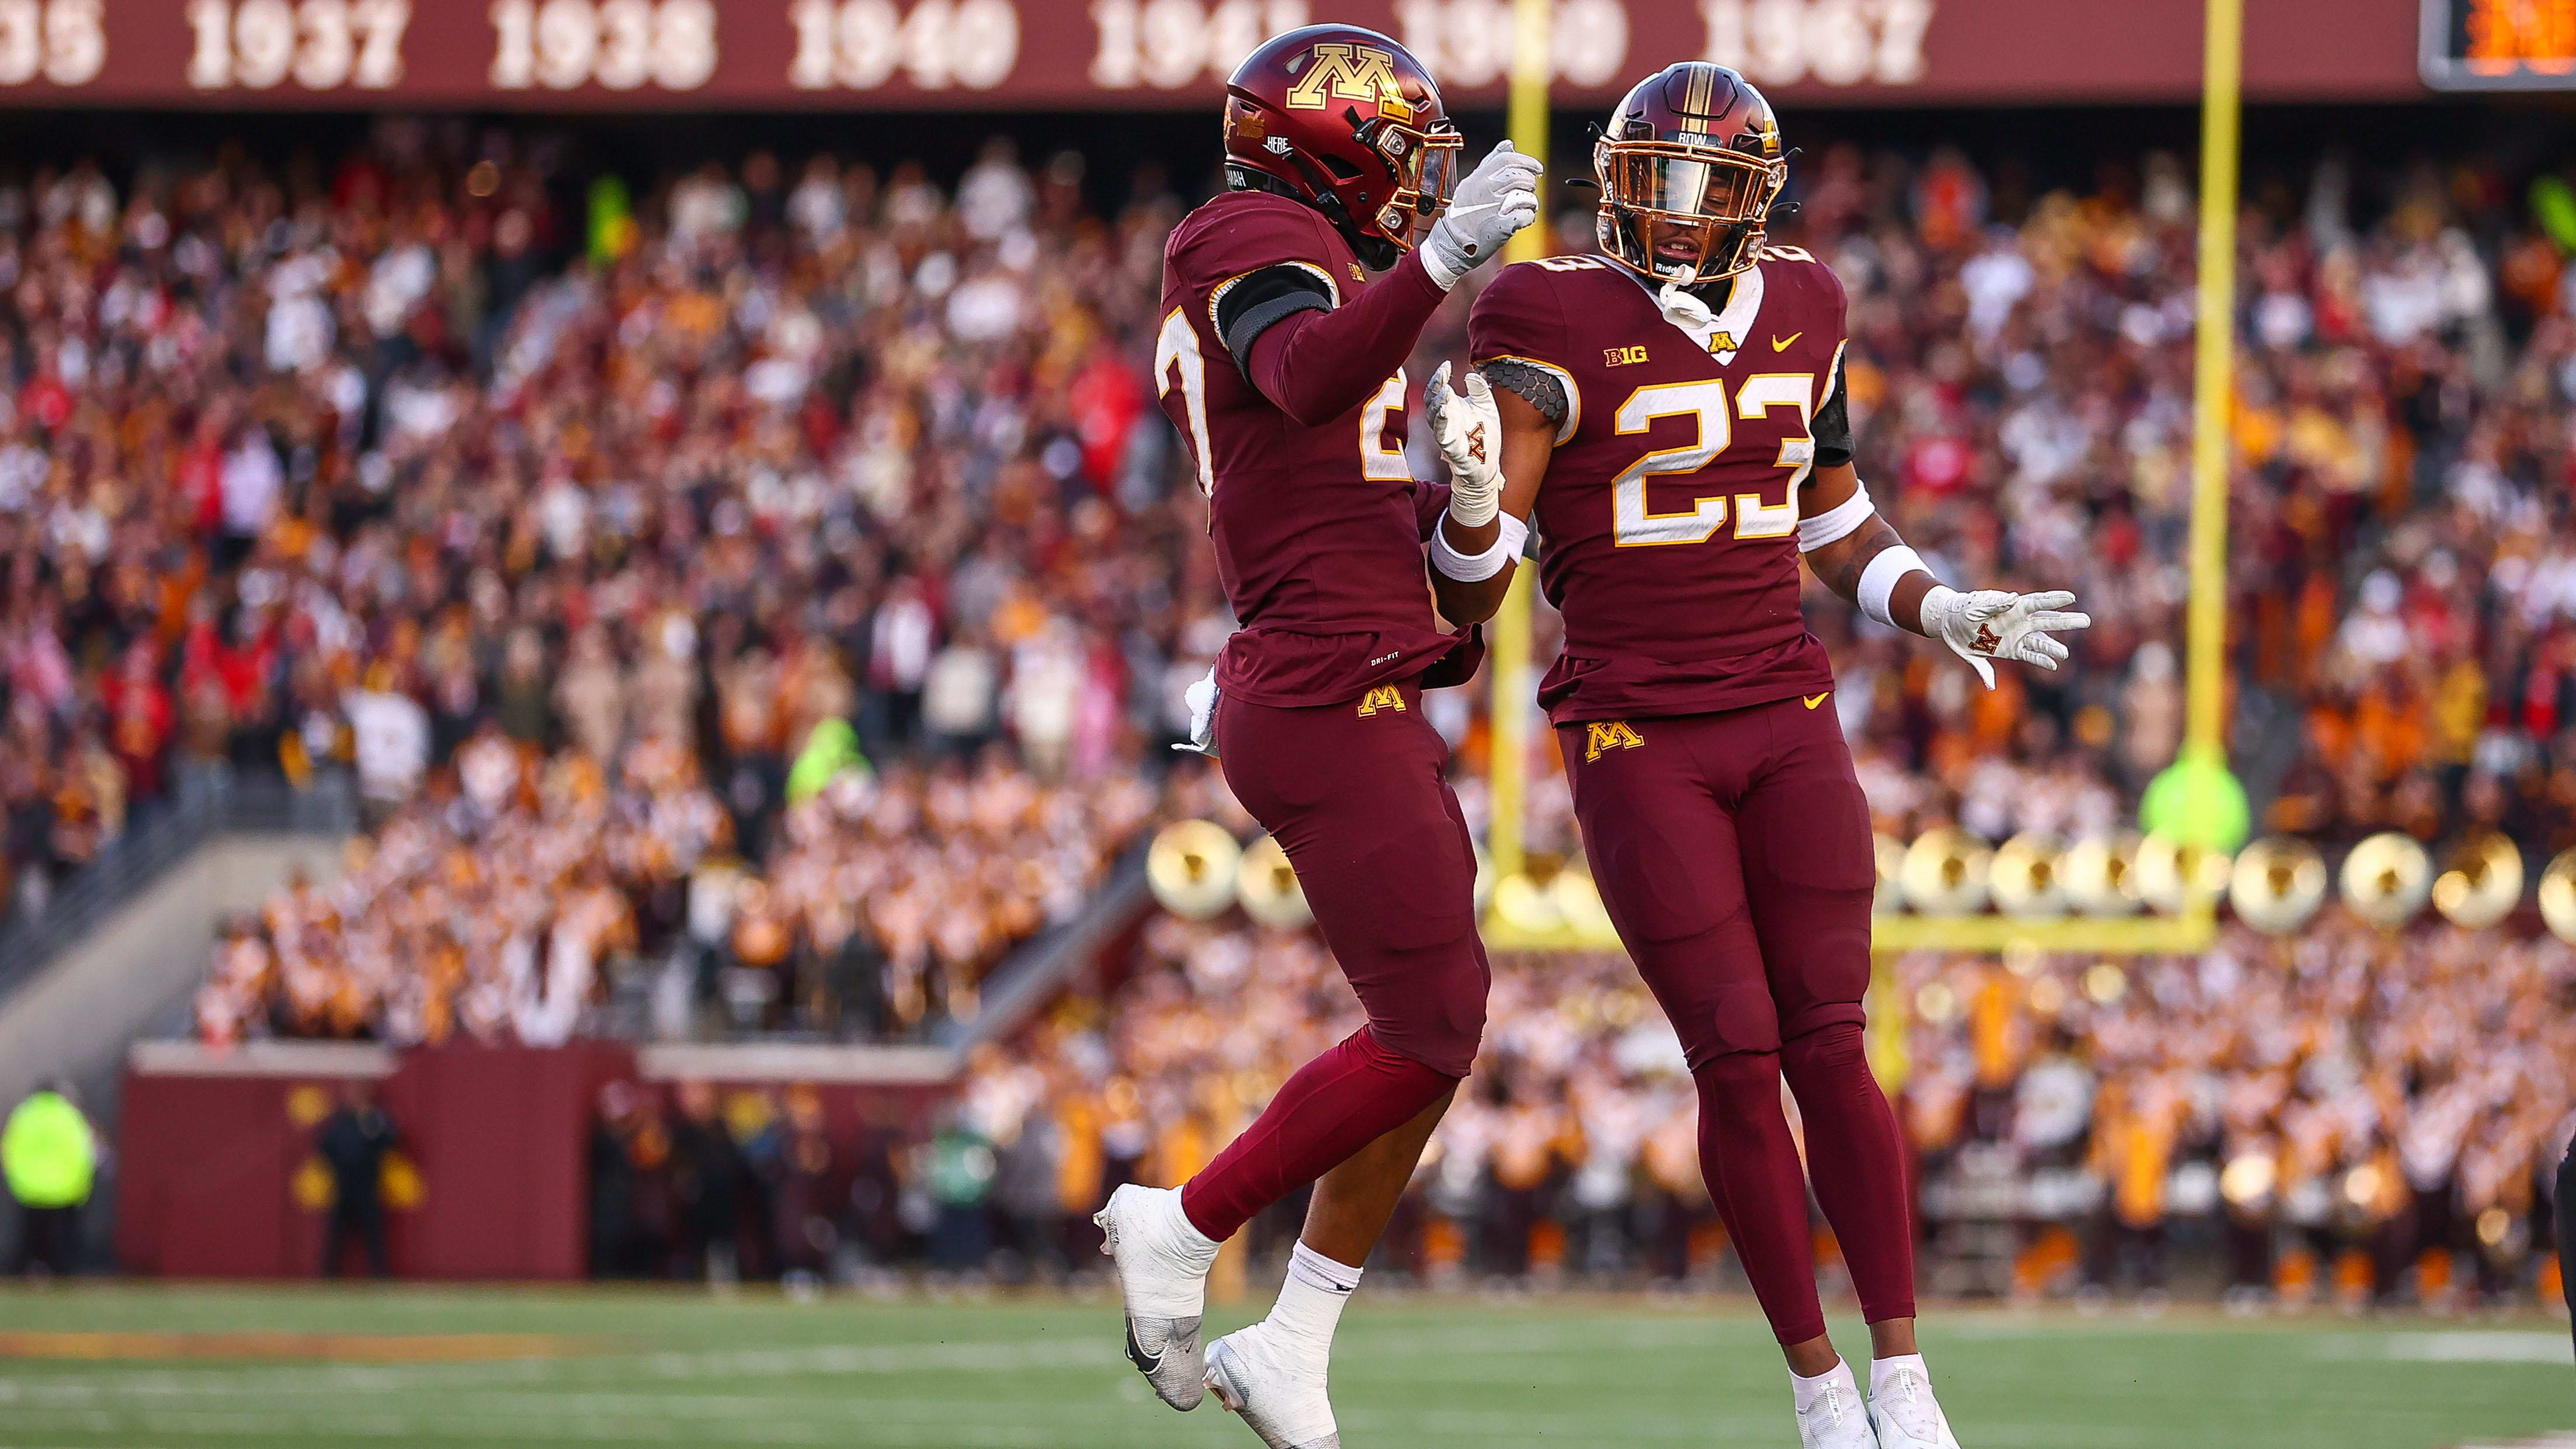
<point x="1341" y="70"/>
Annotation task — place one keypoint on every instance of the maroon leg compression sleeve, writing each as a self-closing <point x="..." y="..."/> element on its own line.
<point x="1859" y="1165"/>
<point x="1359" y="804"/>
<point x="1335" y="1105"/>
<point x="1751" y="1164"/>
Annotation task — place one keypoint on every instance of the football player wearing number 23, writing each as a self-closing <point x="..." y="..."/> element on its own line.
<point x="1289" y="305"/>
<point x="1671" y="418"/>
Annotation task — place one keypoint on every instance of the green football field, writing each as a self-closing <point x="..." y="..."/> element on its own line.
<point x="145" y="1367"/>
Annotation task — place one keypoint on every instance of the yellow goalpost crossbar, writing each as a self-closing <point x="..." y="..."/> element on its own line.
<point x="2205" y="647"/>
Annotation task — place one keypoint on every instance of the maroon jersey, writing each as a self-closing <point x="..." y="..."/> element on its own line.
<point x="1317" y="529"/>
<point x="1669" y="515"/>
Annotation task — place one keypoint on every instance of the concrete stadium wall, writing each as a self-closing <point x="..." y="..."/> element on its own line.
<point x="139" y="968"/>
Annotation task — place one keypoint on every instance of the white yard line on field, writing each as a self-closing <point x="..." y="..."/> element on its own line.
<point x="2457" y="1346"/>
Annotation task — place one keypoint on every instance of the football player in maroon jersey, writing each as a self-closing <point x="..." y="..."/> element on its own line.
<point x="1279" y="361"/>
<point x="1671" y="418"/>
<point x="2567" y="1232"/>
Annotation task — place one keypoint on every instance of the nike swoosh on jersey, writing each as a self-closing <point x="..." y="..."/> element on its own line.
<point x="1812" y="700"/>
<point x="1781" y="344"/>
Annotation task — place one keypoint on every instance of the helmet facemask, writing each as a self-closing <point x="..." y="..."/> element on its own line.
<point x="1424" y="166"/>
<point x="1720" y="199"/>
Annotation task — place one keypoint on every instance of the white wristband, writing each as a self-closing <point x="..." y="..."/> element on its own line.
<point x="1878" y="581"/>
<point x="1437" y="269"/>
<point x="1510" y="535"/>
<point x="1835" y="523"/>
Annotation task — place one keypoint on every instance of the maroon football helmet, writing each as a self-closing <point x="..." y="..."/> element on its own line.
<point x="1348" y="122"/>
<point x="1689" y="167"/>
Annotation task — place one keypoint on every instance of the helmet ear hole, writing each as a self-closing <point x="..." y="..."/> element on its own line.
<point x="1342" y="170"/>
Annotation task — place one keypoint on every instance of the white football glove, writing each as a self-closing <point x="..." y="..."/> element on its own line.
<point x="1469" y="429"/>
<point x="1992" y="624"/>
<point x="1496" y="199"/>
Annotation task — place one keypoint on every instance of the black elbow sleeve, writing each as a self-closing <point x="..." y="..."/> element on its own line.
<point x="1832" y="427"/>
<point x="1251" y="304"/>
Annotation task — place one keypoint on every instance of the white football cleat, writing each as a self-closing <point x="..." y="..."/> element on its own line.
<point x="1279" y="1394"/>
<point x="1904" y="1414"/>
<point x="1162" y="1279"/>
<point x="1838" y="1419"/>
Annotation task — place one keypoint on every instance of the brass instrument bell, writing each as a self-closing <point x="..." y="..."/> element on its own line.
<point x="2277" y="885"/>
<point x="2173" y="875"/>
<point x="1946" y="873"/>
<point x="1267" y="886"/>
<point x="2025" y="878"/>
<point x="2386" y="879"/>
<point x="1191" y="868"/>
<point x="2099" y="874"/>
<point x="2481" y="881"/>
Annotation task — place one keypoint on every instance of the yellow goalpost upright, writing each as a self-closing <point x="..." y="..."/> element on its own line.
<point x="2204" y="754"/>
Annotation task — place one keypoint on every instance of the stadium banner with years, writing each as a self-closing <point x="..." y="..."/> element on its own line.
<point x="1136" y="54"/>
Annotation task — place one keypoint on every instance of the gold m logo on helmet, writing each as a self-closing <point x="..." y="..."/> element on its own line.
<point x="1385" y="696"/>
<point x="1604" y="735"/>
<point x="1341" y="70"/>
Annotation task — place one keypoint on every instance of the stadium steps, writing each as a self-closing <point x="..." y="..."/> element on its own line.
<point x="119" y="948"/>
<point x="1038" y="972"/>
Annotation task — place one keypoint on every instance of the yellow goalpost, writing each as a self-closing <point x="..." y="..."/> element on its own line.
<point x="2204" y="749"/>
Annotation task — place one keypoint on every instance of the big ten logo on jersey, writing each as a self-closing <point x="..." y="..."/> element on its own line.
<point x="1604" y="735"/>
<point x="1622" y="356"/>
<point x="1343" y="71"/>
<point x="1385" y="696"/>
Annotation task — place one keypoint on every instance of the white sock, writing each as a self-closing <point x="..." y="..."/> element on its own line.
<point x="1185" y="1237"/>
<point x="1883" y="1369"/>
<point x="1310" y="1304"/>
<point x="1169" y="1232"/>
<point x="1804" y="1392"/>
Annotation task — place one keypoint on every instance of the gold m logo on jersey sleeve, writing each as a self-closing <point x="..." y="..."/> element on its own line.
<point x="1605" y="735"/>
<point x="1385" y="696"/>
<point x="1343" y="71"/>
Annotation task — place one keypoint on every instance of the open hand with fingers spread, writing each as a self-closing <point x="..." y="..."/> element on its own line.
<point x="1993" y="624"/>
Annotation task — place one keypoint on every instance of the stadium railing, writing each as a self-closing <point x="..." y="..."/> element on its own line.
<point x="208" y="802"/>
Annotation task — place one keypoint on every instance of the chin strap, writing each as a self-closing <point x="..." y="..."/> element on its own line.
<point x="1683" y="307"/>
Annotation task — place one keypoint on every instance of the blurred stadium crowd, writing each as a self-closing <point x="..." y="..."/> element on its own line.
<point x="771" y="595"/>
<point x="2350" y="1116"/>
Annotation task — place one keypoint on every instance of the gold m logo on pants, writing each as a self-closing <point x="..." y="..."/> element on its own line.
<point x="1385" y="696"/>
<point x="1608" y="734"/>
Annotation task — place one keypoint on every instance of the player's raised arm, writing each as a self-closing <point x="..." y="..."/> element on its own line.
<point x="1316" y="361"/>
<point x="1497" y="444"/>
<point x="1859" y="556"/>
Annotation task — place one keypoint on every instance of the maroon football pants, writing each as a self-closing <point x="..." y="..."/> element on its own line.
<point x="1358" y="796"/>
<point x="1733" y="852"/>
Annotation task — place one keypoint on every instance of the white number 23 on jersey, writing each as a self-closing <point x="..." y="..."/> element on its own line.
<point x="1635" y="524"/>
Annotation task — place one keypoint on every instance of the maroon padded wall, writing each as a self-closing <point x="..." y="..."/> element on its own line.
<point x="499" y="1136"/>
